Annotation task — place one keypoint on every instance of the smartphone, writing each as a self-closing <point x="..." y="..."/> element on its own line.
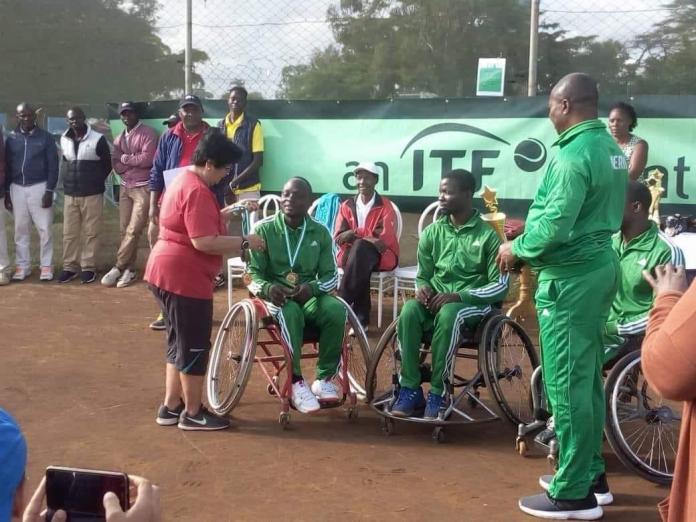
<point x="80" y="492"/>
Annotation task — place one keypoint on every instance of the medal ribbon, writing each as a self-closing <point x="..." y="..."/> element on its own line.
<point x="293" y="257"/>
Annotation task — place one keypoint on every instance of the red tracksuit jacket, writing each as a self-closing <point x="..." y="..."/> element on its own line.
<point x="379" y="223"/>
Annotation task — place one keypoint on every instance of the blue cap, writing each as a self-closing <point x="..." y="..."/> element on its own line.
<point x="13" y="462"/>
<point x="190" y="99"/>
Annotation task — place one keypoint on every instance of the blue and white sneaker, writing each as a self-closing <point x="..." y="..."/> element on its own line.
<point x="432" y="406"/>
<point x="408" y="401"/>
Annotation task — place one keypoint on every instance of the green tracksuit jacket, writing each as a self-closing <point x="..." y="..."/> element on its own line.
<point x="578" y="206"/>
<point x="634" y="298"/>
<point x="461" y="260"/>
<point x="567" y="239"/>
<point x="315" y="263"/>
<point x="316" y="266"/>
<point x="450" y="260"/>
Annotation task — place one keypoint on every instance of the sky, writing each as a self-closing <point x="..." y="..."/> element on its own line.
<point x="253" y="40"/>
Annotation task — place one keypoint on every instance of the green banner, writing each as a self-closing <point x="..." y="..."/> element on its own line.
<point x="506" y="143"/>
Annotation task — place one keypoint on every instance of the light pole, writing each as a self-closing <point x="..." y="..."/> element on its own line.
<point x="533" y="49"/>
<point x="188" y="65"/>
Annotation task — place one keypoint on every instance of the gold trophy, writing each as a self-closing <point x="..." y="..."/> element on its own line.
<point x="654" y="183"/>
<point x="493" y="217"/>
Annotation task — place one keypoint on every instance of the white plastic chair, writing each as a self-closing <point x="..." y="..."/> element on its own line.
<point x="382" y="282"/>
<point x="269" y="205"/>
<point x="405" y="276"/>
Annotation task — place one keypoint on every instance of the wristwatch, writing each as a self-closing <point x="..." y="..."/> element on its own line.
<point x="245" y="243"/>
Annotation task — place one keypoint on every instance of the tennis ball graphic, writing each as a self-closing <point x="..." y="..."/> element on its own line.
<point x="530" y="155"/>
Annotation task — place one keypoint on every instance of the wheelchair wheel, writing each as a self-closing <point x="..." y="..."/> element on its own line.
<point x="507" y="359"/>
<point x="383" y="371"/>
<point x="359" y="352"/>
<point x="232" y="357"/>
<point x="642" y="428"/>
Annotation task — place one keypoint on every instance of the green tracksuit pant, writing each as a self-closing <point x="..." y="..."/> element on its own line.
<point x="324" y="312"/>
<point x="572" y="313"/>
<point x="414" y="321"/>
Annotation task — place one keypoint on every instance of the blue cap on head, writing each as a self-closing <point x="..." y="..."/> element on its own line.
<point x="13" y="462"/>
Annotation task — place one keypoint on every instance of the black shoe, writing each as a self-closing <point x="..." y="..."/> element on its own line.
<point x="202" y="421"/>
<point x="219" y="281"/>
<point x="600" y="488"/>
<point x="167" y="417"/>
<point x="66" y="276"/>
<point x="87" y="276"/>
<point x="543" y="506"/>
<point x="158" y="324"/>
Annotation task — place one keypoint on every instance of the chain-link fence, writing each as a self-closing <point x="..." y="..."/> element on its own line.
<point x="324" y="48"/>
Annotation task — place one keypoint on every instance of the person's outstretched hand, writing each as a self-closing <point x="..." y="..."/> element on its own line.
<point x="146" y="507"/>
<point x="668" y="278"/>
<point x="35" y="512"/>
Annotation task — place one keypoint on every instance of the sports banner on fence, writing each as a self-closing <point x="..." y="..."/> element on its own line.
<point x="506" y="143"/>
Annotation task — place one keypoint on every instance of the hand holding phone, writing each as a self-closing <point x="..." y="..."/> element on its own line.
<point x="80" y="492"/>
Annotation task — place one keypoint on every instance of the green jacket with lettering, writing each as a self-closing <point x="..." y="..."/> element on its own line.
<point x="629" y="311"/>
<point x="578" y="206"/>
<point x="315" y="263"/>
<point x="461" y="260"/>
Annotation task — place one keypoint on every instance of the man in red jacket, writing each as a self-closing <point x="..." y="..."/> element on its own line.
<point x="365" y="233"/>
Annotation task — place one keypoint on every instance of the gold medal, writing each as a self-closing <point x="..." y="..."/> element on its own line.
<point x="246" y="279"/>
<point x="292" y="278"/>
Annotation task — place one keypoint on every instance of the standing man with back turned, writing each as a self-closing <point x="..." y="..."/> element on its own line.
<point x="567" y="240"/>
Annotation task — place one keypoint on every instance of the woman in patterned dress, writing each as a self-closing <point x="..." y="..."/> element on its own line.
<point x="622" y="121"/>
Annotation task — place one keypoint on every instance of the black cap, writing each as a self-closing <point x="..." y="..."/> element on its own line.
<point x="126" y="106"/>
<point x="173" y="118"/>
<point x="190" y="99"/>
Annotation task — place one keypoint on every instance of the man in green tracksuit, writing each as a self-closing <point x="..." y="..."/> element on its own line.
<point x="640" y="246"/>
<point x="457" y="281"/>
<point x="294" y="275"/>
<point x="567" y="240"/>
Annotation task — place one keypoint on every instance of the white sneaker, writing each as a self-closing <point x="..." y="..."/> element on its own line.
<point x="325" y="390"/>
<point x="46" y="273"/>
<point x="4" y="278"/>
<point x="303" y="399"/>
<point x="21" y="274"/>
<point x="111" y="277"/>
<point x="126" y="279"/>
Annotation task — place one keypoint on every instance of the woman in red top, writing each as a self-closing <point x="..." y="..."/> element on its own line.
<point x="181" y="269"/>
<point x="365" y="232"/>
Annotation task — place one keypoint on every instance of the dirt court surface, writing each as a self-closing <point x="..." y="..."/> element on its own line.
<point x="84" y="376"/>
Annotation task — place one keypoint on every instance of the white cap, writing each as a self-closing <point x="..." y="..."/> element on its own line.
<point x="368" y="166"/>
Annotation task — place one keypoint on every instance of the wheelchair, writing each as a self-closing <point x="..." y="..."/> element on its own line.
<point x="248" y="329"/>
<point x="641" y="427"/>
<point x="498" y="356"/>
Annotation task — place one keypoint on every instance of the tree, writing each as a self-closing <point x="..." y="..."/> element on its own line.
<point x="386" y="47"/>
<point x="667" y="54"/>
<point x="66" y="52"/>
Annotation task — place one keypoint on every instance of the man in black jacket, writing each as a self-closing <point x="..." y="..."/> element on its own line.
<point x="84" y="169"/>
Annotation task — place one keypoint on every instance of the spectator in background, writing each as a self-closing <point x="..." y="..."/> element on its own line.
<point x="669" y="361"/>
<point x="85" y="166"/>
<point x="622" y="121"/>
<point x="365" y="232"/>
<point x="31" y="161"/>
<point x="243" y="180"/>
<point x="134" y="151"/>
<point x="175" y="149"/>
<point x="4" y="256"/>
<point x="172" y="120"/>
